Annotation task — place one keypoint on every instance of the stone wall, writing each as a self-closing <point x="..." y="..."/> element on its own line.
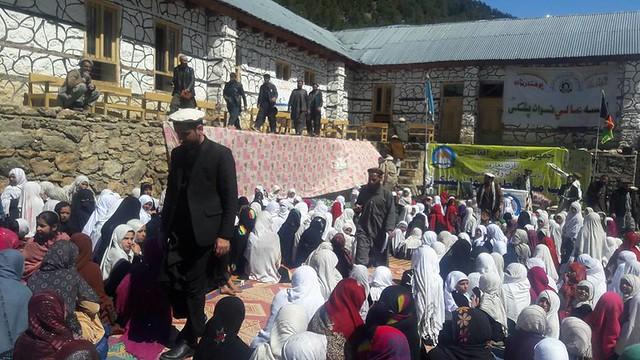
<point x="55" y="145"/>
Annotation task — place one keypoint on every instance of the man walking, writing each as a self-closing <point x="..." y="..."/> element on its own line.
<point x="232" y="94"/>
<point x="198" y="218"/>
<point x="184" y="81"/>
<point x="376" y="208"/>
<point x="298" y="107"/>
<point x="266" y="104"/>
<point x="315" y="111"/>
<point x="489" y="197"/>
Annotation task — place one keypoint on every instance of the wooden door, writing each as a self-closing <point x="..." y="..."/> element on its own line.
<point x="490" y="114"/>
<point x="450" y="120"/>
<point x="382" y="103"/>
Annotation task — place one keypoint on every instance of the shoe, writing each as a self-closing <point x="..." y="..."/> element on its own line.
<point x="179" y="352"/>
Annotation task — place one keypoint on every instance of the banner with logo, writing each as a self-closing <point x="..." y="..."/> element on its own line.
<point x="285" y="87"/>
<point x="552" y="97"/>
<point x="459" y="165"/>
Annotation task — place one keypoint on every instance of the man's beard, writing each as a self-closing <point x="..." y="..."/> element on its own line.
<point x="43" y="238"/>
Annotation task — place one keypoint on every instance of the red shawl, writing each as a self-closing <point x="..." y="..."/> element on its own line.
<point x="539" y="282"/>
<point x="451" y="218"/>
<point x="8" y="239"/>
<point x="34" y="252"/>
<point x="336" y="211"/>
<point x="568" y="289"/>
<point x="631" y="241"/>
<point x="552" y="250"/>
<point x="605" y="325"/>
<point x="343" y="307"/>
<point x="437" y="222"/>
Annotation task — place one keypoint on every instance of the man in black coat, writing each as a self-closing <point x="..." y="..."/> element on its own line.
<point x="233" y="93"/>
<point x="298" y="106"/>
<point x="266" y="104"/>
<point x="184" y="81"/>
<point x="198" y="218"/>
<point x="315" y="108"/>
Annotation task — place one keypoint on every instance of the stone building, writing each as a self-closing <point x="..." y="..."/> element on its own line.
<point x="523" y="81"/>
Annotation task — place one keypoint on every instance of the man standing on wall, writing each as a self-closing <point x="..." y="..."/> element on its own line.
<point x="198" y="218"/>
<point x="184" y="82"/>
<point x="266" y="104"/>
<point x="598" y="194"/>
<point x="376" y="208"/>
<point x="489" y="196"/>
<point x="232" y="94"/>
<point x="315" y="110"/>
<point x="298" y="107"/>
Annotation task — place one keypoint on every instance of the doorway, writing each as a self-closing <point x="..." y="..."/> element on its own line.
<point x="451" y="113"/>
<point x="382" y="103"/>
<point x="490" y="114"/>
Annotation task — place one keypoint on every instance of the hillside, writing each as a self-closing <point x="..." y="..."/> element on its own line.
<point x="349" y="14"/>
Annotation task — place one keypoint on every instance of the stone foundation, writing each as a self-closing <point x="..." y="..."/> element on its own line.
<point x="57" y="145"/>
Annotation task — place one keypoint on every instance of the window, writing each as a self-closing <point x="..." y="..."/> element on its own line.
<point x="103" y="22"/>
<point x="491" y="90"/>
<point x="382" y="99"/>
<point x="283" y="71"/>
<point x="453" y="90"/>
<point x="167" y="45"/>
<point x="309" y="77"/>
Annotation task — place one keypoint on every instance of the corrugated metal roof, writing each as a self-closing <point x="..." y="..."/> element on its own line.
<point x="275" y="14"/>
<point x="590" y="35"/>
<point x="606" y="34"/>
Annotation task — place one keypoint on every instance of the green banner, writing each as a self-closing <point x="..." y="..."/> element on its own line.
<point x="453" y="165"/>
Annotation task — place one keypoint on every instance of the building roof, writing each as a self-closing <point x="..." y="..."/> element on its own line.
<point x="592" y="35"/>
<point x="555" y="37"/>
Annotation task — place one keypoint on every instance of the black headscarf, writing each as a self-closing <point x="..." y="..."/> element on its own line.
<point x="457" y="258"/>
<point x="310" y="240"/>
<point x="242" y="201"/>
<point x="466" y="337"/>
<point x="246" y="222"/>
<point x="419" y="221"/>
<point x="287" y="234"/>
<point x="395" y="308"/>
<point x="524" y="219"/>
<point x="128" y="209"/>
<point x="82" y="206"/>
<point x="220" y="340"/>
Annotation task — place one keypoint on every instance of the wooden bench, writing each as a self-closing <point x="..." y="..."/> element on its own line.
<point x="378" y="131"/>
<point x="156" y="99"/>
<point x="50" y="86"/>
<point x="333" y="128"/>
<point x="213" y="112"/>
<point x="352" y="131"/>
<point x="109" y="91"/>
<point x="416" y="132"/>
<point x="284" y="123"/>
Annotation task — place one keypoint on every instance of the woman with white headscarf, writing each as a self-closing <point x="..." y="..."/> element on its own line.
<point x="106" y="205"/>
<point x="495" y="234"/>
<point x="429" y="238"/>
<point x="120" y="248"/>
<point x="595" y="274"/>
<point x="324" y="262"/>
<point x="480" y="235"/>
<point x="515" y="292"/>
<point x="344" y="219"/>
<point x="51" y="195"/>
<point x="624" y="258"/>
<point x="469" y="222"/>
<point x="80" y="182"/>
<point x="555" y="225"/>
<point x="13" y="191"/>
<point x="31" y="205"/>
<point x="576" y="336"/>
<point x="147" y="207"/>
<point x="592" y="238"/>
<point x="382" y="278"/>
<point x="485" y="264"/>
<point x="550" y="349"/>
<point x="542" y="252"/>
<point x="360" y="273"/>
<point x="305" y="346"/>
<point x="490" y="301"/>
<point x="263" y="251"/>
<point x="428" y="293"/>
<point x="630" y="334"/>
<point x="304" y="291"/>
<point x="411" y="243"/>
<point x="543" y="222"/>
<point x="550" y="302"/>
<point x="397" y="238"/>
<point x="454" y="297"/>
<point x="571" y="230"/>
<point x="291" y="319"/>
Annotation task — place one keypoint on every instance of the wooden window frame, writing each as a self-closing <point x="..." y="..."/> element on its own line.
<point x="99" y="41"/>
<point x="286" y="70"/>
<point x="168" y="71"/>
<point x="309" y="77"/>
<point x="386" y="109"/>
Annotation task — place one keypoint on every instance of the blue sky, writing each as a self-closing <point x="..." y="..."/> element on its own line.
<point x="529" y="8"/>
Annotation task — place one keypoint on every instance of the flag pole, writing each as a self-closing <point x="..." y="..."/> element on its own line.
<point x="429" y="119"/>
<point x="595" y="157"/>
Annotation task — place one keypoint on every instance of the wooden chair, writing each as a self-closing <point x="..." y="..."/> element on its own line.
<point x="377" y="131"/>
<point x="352" y="131"/>
<point x="326" y="127"/>
<point x="340" y="127"/>
<point x="416" y="132"/>
<point x="283" y="122"/>
<point x="50" y="86"/>
<point x="213" y="111"/>
<point x="109" y="92"/>
<point x="156" y="99"/>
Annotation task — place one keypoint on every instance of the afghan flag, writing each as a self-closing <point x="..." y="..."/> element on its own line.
<point x="609" y="124"/>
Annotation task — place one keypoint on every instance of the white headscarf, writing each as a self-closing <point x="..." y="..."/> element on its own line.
<point x="469" y="222"/>
<point x="550" y="349"/>
<point x="610" y="246"/>
<point x="543" y="222"/>
<point x="495" y="234"/>
<point x="382" y="278"/>
<point x="479" y="240"/>
<point x="490" y="301"/>
<point x="573" y="223"/>
<point x="515" y="290"/>
<point x="427" y="291"/>
<point x="576" y="335"/>
<point x="556" y="231"/>
<point x="53" y="195"/>
<point x="305" y="346"/>
<point x="591" y="239"/>
<point x="440" y="249"/>
<point x="474" y="282"/>
<point x="499" y="260"/>
<point x="630" y="333"/>
<point x="453" y="279"/>
<point x="115" y="252"/>
<point x="542" y="252"/>
<point x="31" y="204"/>
<point x="397" y="238"/>
<point x="360" y="273"/>
<point x="12" y="192"/>
<point x="263" y="251"/>
<point x="486" y="264"/>
<point x="624" y="258"/>
<point x="291" y="319"/>
<point x="553" y="322"/>
<point x="324" y="263"/>
<point x="595" y="274"/>
<point x="411" y="243"/>
<point x="105" y="206"/>
<point x="429" y="237"/>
